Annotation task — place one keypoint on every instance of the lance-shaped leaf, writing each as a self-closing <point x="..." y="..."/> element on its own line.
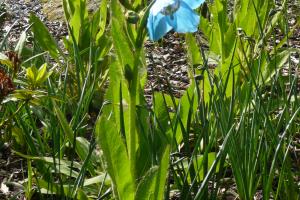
<point x="115" y="154"/>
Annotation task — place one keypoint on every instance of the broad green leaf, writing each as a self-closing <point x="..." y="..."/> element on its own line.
<point x="42" y="74"/>
<point x="146" y="187"/>
<point x="120" y="39"/>
<point x="161" y="111"/>
<point x="193" y="50"/>
<point x="115" y="154"/>
<point x="57" y="189"/>
<point x="83" y="146"/>
<point x="21" y="43"/>
<point x="50" y="160"/>
<point x="31" y="74"/>
<point x="103" y="17"/>
<point x="43" y="36"/>
<point x="162" y="174"/>
<point x="195" y="58"/>
<point x="78" y="19"/>
<point x="62" y="166"/>
<point x="97" y="179"/>
<point x="185" y="107"/>
<point x="276" y="63"/>
<point x="119" y="95"/>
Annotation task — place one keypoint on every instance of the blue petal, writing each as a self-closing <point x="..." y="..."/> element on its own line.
<point x="193" y="4"/>
<point x="157" y="26"/>
<point x="184" y="19"/>
<point x="159" y="5"/>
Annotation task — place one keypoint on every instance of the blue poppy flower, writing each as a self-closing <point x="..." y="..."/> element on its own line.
<point x="166" y="15"/>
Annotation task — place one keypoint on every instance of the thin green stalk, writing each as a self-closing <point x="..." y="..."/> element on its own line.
<point x="132" y="122"/>
<point x="29" y="183"/>
<point x="13" y="115"/>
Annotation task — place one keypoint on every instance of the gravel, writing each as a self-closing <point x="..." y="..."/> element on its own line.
<point x="165" y="63"/>
<point x="18" y="12"/>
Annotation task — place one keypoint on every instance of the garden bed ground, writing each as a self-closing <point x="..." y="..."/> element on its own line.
<point x="165" y="59"/>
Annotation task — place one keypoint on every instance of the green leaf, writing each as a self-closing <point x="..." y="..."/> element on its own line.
<point x="120" y="39"/>
<point x="81" y="195"/>
<point x="78" y="19"/>
<point x="21" y="43"/>
<point x="5" y="61"/>
<point x="102" y="20"/>
<point x="82" y="147"/>
<point x="162" y="174"/>
<point x="193" y="50"/>
<point x="55" y="188"/>
<point x="163" y="133"/>
<point x="42" y="74"/>
<point x="198" y="161"/>
<point x="276" y="63"/>
<point x="145" y="189"/>
<point x="117" y="88"/>
<point x="31" y="74"/>
<point x="115" y="154"/>
<point x="43" y="36"/>
<point x="50" y="160"/>
<point x="97" y="179"/>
